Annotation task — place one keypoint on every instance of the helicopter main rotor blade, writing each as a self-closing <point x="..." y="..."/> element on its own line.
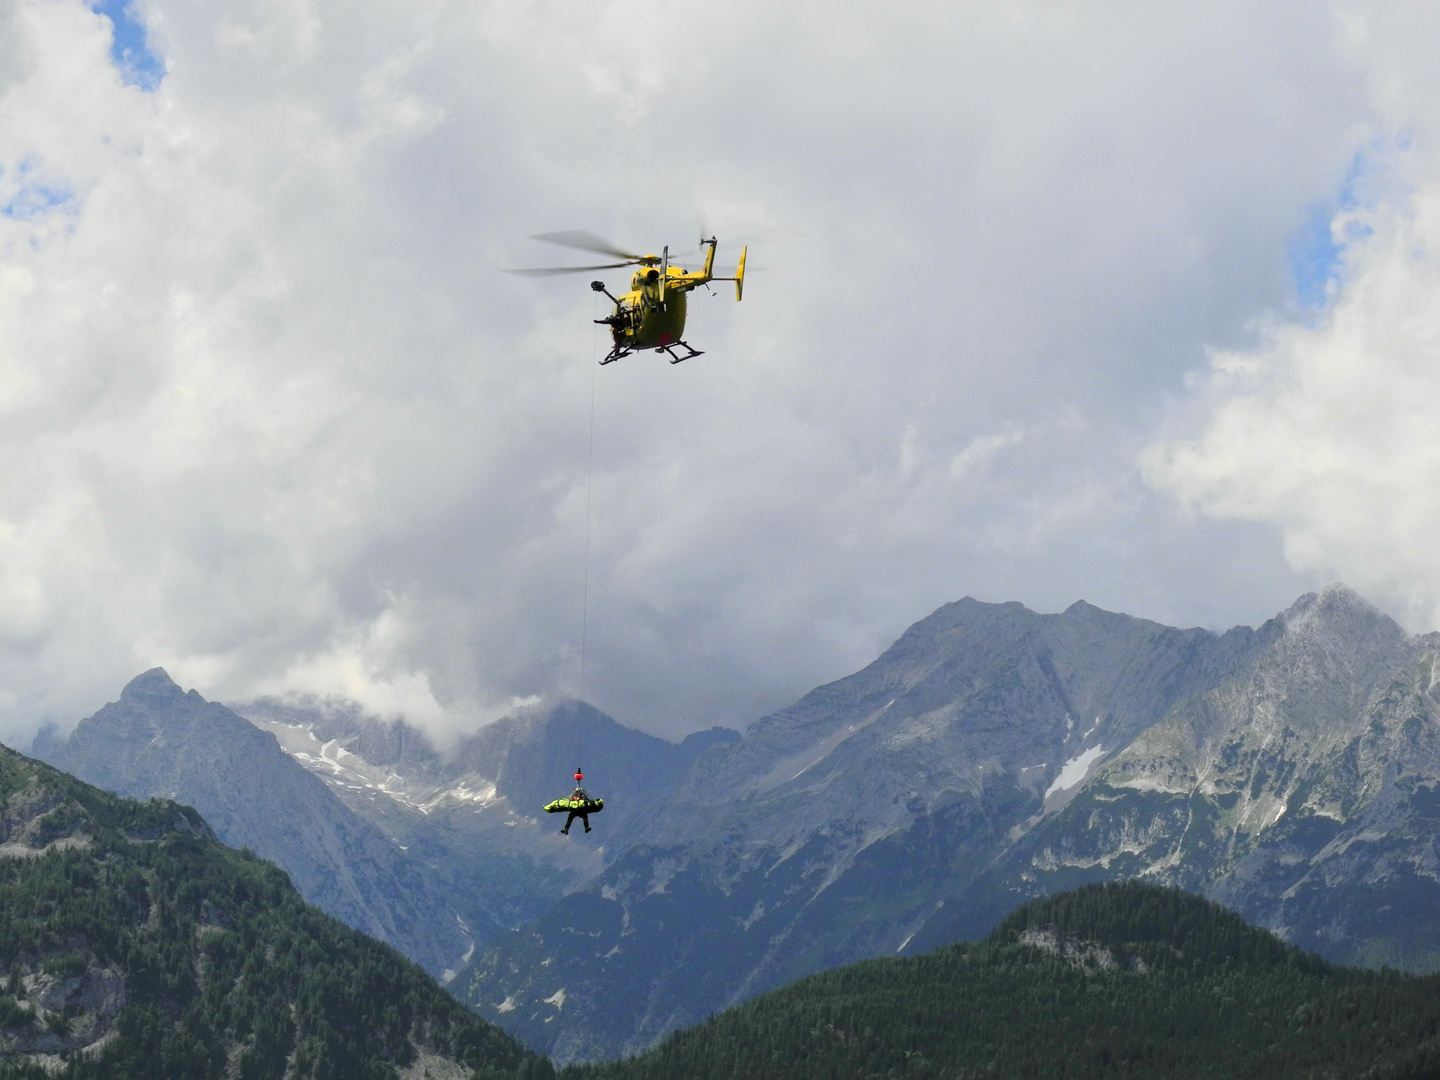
<point x="584" y="241"/>
<point x="552" y="271"/>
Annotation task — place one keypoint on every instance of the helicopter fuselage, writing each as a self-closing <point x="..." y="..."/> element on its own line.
<point x="642" y="320"/>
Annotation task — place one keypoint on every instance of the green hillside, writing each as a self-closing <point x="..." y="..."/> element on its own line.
<point x="134" y="946"/>
<point x="1115" y="980"/>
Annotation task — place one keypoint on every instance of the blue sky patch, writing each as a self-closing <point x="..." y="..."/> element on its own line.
<point x="130" y="49"/>
<point x="35" y="195"/>
<point x="1315" y="256"/>
<point x="34" y="200"/>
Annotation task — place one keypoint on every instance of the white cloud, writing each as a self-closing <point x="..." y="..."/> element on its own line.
<point x="281" y="422"/>
<point x="979" y="450"/>
<point x="1327" y="429"/>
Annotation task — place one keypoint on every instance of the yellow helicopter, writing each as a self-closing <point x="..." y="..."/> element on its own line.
<point x="652" y="314"/>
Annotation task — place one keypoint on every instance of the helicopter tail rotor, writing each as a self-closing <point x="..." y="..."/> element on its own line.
<point x="664" y="271"/>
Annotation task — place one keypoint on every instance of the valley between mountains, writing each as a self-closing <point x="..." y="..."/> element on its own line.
<point x="992" y="755"/>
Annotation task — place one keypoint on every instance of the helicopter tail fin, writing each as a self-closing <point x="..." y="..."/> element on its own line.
<point x="740" y="275"/>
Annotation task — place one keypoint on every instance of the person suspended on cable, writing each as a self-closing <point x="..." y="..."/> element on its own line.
<point x="577" y="804"/>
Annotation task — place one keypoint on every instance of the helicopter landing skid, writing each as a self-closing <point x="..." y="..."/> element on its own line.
<point x="615" y="354"/>
<point x="683" y="344"/>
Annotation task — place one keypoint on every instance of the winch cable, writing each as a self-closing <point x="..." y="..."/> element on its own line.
<point x="589" y="489"/>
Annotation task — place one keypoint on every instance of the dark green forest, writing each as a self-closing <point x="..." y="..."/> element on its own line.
<point x="1115" y="980"/>
<point x="134" y="946"/>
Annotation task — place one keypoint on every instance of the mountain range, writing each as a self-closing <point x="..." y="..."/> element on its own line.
<point x="992" y="755"/>
<point x="429" y="852"/>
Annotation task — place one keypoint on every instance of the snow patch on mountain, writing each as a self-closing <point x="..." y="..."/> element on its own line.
<point x="1074" y="770"/>
<point x="333" y="763"/>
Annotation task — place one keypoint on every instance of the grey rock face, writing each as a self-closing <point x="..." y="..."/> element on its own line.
<point x="1302" y="793"/>
<point x="473" y="813"/>
<point x="159" y="740"/>
<point x="991" y="755"/>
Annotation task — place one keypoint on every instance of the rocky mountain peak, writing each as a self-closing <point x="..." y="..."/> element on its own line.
<point x="150" y="688"/>
<point x="1338" y="611"/>
<point x="1333" y="644"/>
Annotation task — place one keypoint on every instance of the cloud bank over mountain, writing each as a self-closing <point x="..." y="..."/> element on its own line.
<point x="1327" y="428"/>
<point x="273" y="420"/>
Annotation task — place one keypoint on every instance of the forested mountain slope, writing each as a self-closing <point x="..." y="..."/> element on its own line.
<point x="135" y="946"/>
<point x="1119" y="980"/>
<point x="159" y="740"/>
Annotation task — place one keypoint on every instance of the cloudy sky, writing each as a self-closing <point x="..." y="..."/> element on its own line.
<point x="1127" y="302"/>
